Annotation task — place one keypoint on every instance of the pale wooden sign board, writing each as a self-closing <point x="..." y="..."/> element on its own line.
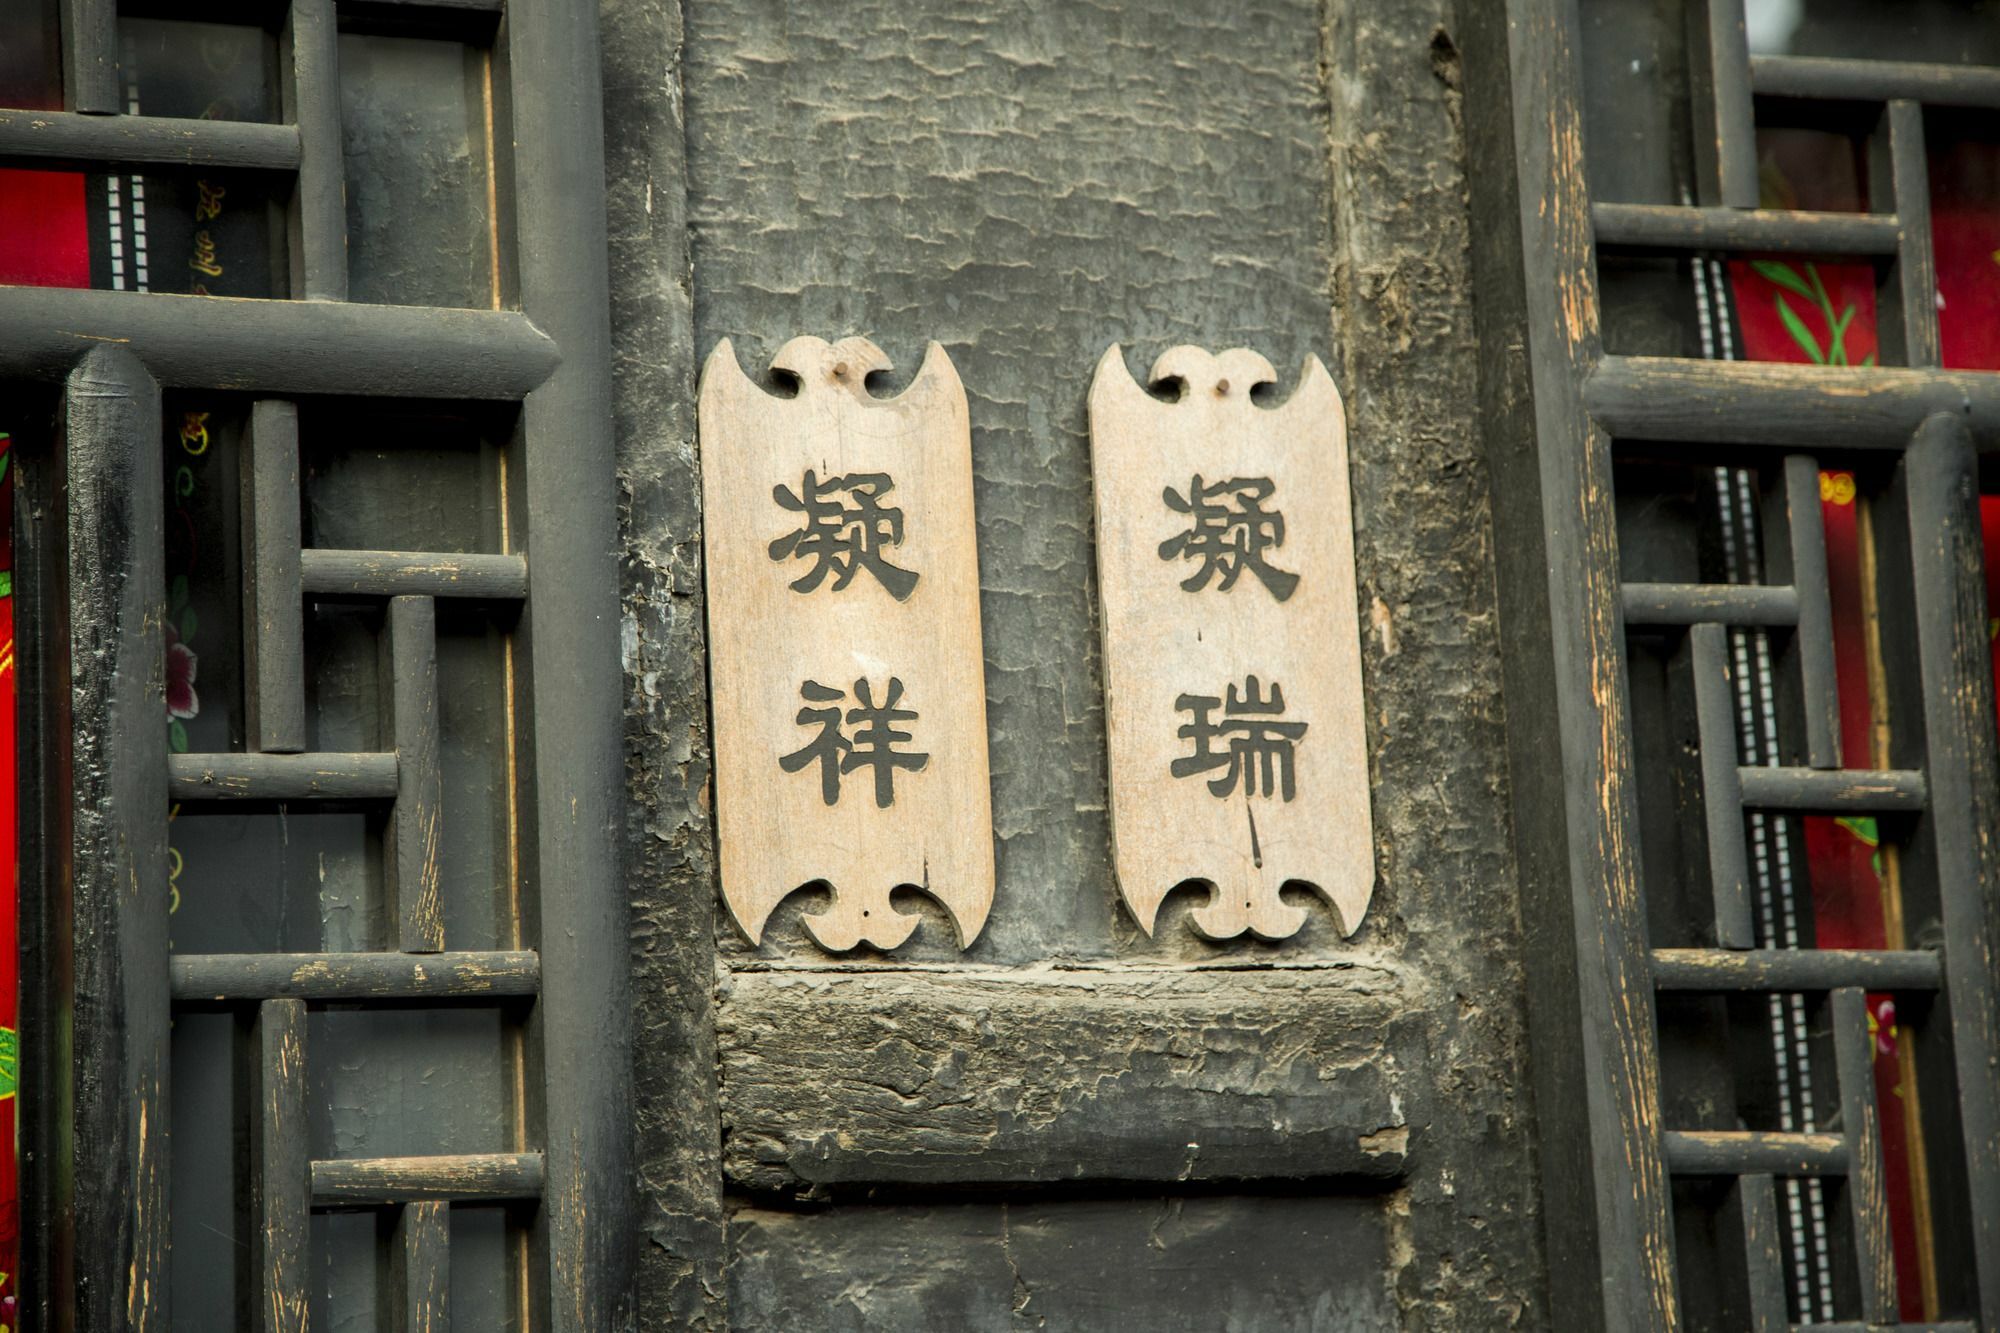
<point x="1225" y="552"/>
<point x="843" y="597"/>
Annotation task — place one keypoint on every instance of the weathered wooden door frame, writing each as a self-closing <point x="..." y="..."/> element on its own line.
<point x="94" y="859"/>
<point x="1557" y="402"/>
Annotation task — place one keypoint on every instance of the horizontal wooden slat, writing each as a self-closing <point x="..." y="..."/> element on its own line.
<point x="1835" y="80"/>
<point x="1856" y="1326"/>
<point x="466" y="1178"/>
<point x="279" y="347"/>
<point x="355" y="976"/>
<point x="1789" y="406"/>
<point x="1794" y="969"/>
<point x="1742" y="1152"/>
<point x="281" y="777"/>
<point x="1020" y="1076"/>
<point x="1703" y="603"/>
<point x="1832" y="791"/>
<point x="40" y="138"/>
<point x="414" y="573"/>
<point x="1664" y="228"/>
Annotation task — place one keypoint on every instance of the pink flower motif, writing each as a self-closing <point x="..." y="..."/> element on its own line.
<point x="181" y="700"/>
<point x="1883" y="1022"/>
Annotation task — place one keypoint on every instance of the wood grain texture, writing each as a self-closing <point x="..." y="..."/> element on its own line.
<point x="420" y="1268"/>
<point x="1794" y="969"/>
<point x="1861" y="1122"/>
<point x="414" y="574"/>
<point x="409" y="677"/>
<point x="783" y="626"/>
<point x="1197" y="625"/>
<point x="280" y="1166"/>
<point x="35" y="137"/>
<point x="933" y="1077"/>
<point x="354" y="976"/>
<point x="274" y="696"/>
<point x="116" y="856"/>
<point x="1752" y="1214"/>
<point x="465" y="1177"/>
<point x="364" y="776"/>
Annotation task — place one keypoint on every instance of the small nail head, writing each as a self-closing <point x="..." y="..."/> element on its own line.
<point x="840" y="370"/>
<point x="1221" y="387"/>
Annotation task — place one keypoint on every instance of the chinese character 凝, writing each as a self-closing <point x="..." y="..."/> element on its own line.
<point x="846" y="525"/>
<point x="1260" y="747"/>
<point x="873" y="744"/>
<point x="1228" y="531"/>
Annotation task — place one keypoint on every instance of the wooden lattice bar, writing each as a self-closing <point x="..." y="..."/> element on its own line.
<point x="1906" y="303"/>
<point x="90" y="56"/>
<point x="309" y="86"/>
<point x="464" y="1178"/>
<point x="1801" y="561"/>
<point x="1861" y="1125"/>
<point x="1837" y="80"/>
<point x="1738" y="1152"/>
<point x="1668" y="229"/>
<point x="325" y="776"/>
<point x="273" y="638"/>
<point x="1723" y="603"/>
<point x="1837" y="791"/>
<point x="1791" y="970"/>
<point x="410" y="693"/>
<point x="279" y="1165"/>
<point x="38" y="138"/>
<point x="420" y="1267"/>
<point x="1722" y="793"/>
<point x="414" y="573"/>
<point x="351" y="977"/>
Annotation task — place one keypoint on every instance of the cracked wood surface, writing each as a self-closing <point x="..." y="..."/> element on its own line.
<point x="954" y="1077"/>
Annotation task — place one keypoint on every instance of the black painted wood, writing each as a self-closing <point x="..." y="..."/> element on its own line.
<point x="90" y="57"/>
<point x="410" y="698"/>
<point x="1739" y="1152"/>
<point x="279" y="347"/>
<point x="420" y="1269"/>
<point x="1861" y="1124"/>
<point x="280" y="1184"/>
<point x="45" y="138"/>
<point x="1786" y="406"/>
<point x="415" y="573"/>
<point x="1940" y="475"/>
<point x="351" y="977"/>
<point x="1666" y="229"/>
<point x="579" y="1057"/>
<point x="1819" y="686"/>
<point x="1606" y="1204"/>
<point x="282" y="777"/>
<point x="1721" y="788"/>
<point x="1838" y="791"/>
<point x="1906" y="299"/>
<point x="1722" y="603"/>
<point x="1795" y="969"/>
<point x="1860" y="80"/>
<point x="1719" y="100"/>
<point x="309" y="83"/>
<point x="117" y="846"/>
<point x="1752" y="1210"/>
<point x="464" y="1178"/>
<point x="274" y="696"/>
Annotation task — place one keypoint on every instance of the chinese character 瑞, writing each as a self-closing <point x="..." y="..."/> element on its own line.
<point x="873" y="743"/>
<point x="1228" y="538"/>
<point x="843" y="537"/>
<point x="1259" y="746"/>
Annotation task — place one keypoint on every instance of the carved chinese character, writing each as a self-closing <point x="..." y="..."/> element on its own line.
<point x="843" y="537"/>
<point x="873" y="744"/>
<point x="1225" y="542"/>
<point x="848" y="694"/>
<point x="1258" y="743"/>
<point x="1227" y="537"/>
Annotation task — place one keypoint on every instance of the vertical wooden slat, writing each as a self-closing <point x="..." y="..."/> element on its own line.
<point x="90" y="56"/>
<point x="1721" y="787"/>
<point x="1948" y="568"/>
<point x="273" y="603"/>
<point x="1805" y="522"/>
<point x="420" y="1269"/>
<point x="310" y="99"/>
<point x="409" y="684"/>
<point x="578" y="1041"/>
<point x="281" y="1166"/>
<point x="1899" y="176"/>
<point x="1753" y="1211"/>
<point x="117" y="838"/>
<point x="1590" y="1008"/>
<point x="1867" y="1193"/>
<point x="1719" y="96"/>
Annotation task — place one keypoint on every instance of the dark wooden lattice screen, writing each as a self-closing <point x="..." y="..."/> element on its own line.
<point x="99" y="1155"/>
<point x="1569" y="414"/>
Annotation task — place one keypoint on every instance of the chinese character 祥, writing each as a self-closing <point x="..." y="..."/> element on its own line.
<point x="843" y="536"/>
<point x="1258" y="744"/>
<point x="1229" y="531"/>
<point x="873" y="742"/>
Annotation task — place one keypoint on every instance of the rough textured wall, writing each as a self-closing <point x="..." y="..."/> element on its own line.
<point x="1027" y="184"/>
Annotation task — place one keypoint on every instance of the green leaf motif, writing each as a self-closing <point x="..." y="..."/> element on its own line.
<point x="1800" y="334"/>
<point x="177" y="736"/>
<point x="6" y="583"/>
<point x="186" y="625"/>
<point x="1784" y="275"/>
<point x="10" y="1062"/>
<point x="177" y="594"/>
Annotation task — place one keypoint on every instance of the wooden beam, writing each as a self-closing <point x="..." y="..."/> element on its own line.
<point x="465" y="1178"/>
<point x="43" y="138"/>
<point x="414" y="573"/>
<point x="351" y="977"/>
<point x="279" y="1184"/>
<point x="274" y="691"/>
<point x="324" y="776"/>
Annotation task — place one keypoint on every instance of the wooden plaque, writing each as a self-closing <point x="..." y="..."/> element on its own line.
<point x="845" y="666"/>
<point x="1232" y="644"/>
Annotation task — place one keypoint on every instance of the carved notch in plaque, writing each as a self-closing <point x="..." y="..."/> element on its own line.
<point x="846" y="672"/>
<point x="1232" y="644"/>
